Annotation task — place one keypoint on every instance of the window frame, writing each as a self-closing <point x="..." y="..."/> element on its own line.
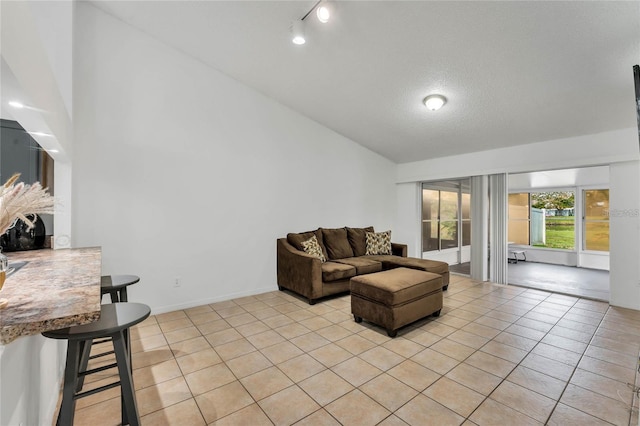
<point x="577" y="191"/>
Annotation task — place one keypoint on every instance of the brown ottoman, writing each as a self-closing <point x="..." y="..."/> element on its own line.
<point x="396" y="297"/>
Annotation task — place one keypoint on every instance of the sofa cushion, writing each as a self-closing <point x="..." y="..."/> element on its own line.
<point x="362" y="264"/>
<point x="312" y="247"/>
<point x="297" y="239"/>
<point x="388" y="260"/>
<point x="336" y="243"/>
<point x="333" y="271"/>
<point x="357" y="239"/>
<point x="434" y="266"/>
<point x="378" y="242"/>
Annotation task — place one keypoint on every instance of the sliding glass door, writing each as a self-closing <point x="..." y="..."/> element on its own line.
<point x="446" y="220"/>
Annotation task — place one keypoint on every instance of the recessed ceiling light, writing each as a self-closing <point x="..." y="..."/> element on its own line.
<point x="53" y="151"/>
<point x="434" y="102"/>
<point x="297" y="31"/>
<point x="41" y="134"/>
<point x="323" y="13"/>
<point x="16" y="104"/>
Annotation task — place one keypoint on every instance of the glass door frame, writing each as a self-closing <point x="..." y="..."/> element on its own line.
<point x="462" y="214"/>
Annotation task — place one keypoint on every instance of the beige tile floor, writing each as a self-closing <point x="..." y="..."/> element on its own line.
<point x="497" y="355"/>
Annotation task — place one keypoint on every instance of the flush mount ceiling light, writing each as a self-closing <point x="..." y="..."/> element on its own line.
<point x="434" y="102"/>
<point x="297" y="33"/>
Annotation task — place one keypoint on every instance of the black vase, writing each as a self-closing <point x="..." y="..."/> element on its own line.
<point x="19" y="237"/>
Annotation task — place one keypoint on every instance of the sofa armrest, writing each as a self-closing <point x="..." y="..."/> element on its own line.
<point x="298" y="271"/>
<point x="399" y="249"/>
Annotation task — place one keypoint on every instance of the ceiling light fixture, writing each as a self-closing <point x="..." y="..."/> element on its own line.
<point x="297" y="32"/>
<point x="323" y="13"/>
<point x="16" y="104"/>
<point x="41" y="134"/>
<point x="434" y="102"/>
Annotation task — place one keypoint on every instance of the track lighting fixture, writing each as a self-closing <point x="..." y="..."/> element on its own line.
<point x="323" y="13"/>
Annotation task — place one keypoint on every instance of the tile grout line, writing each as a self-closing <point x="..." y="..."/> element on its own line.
<point x="461" y="362"/>
<point x="531" y="350"/>
<point x="575" y="367"/>
<point x="516" y="366"/>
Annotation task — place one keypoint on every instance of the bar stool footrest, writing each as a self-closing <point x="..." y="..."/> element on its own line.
<point x="102" y="354"/>
<point x="96" y="390"/>
<point x="97" y="370"/>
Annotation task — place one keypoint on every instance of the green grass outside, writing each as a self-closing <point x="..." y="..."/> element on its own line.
<point x="560" y="233"/>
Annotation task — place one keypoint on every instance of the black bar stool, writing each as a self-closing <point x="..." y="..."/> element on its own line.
<point x="115" y="320"/>
<point x="116" y="286"/>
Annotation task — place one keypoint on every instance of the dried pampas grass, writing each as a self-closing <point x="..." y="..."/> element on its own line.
<point x="18" y="200"/>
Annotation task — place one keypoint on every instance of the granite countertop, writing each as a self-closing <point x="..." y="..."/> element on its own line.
<point x="55" y="289"/>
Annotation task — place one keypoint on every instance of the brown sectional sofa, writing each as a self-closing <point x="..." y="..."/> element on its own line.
<point x="344" y="249"/>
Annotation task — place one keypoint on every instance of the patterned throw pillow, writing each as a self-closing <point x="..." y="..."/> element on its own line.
<point x="312" y="247"/>
<point x="378" y="243"/>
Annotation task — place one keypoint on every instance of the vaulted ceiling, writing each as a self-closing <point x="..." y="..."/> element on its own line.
<point x="513" y="72"/>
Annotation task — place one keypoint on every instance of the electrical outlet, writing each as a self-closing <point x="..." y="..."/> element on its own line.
<point x="177" y="282"/>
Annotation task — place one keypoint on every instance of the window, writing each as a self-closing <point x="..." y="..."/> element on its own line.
<point x="519" y="218"/>
<point x="542" y="219"/>
<point x="596" y="220"/>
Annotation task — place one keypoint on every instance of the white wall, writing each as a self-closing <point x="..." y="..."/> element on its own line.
<point x="580" y="151"/>
<point x="624" y="225"/>
<point x="30" y="381"/>
<point x="407" y="229"/>
<point x="54" y="22"/>
<point x="181" y="171"/>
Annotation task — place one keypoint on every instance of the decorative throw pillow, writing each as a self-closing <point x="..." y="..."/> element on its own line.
<point x="378" y="243"/>
<point x="312" y="247"/>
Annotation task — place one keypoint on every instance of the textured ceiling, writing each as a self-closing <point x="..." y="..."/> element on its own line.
<point x="514" y="72"/>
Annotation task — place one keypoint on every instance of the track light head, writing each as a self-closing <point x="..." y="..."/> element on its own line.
<point x="297" y="32"/>
<point x="323" y="12"/>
